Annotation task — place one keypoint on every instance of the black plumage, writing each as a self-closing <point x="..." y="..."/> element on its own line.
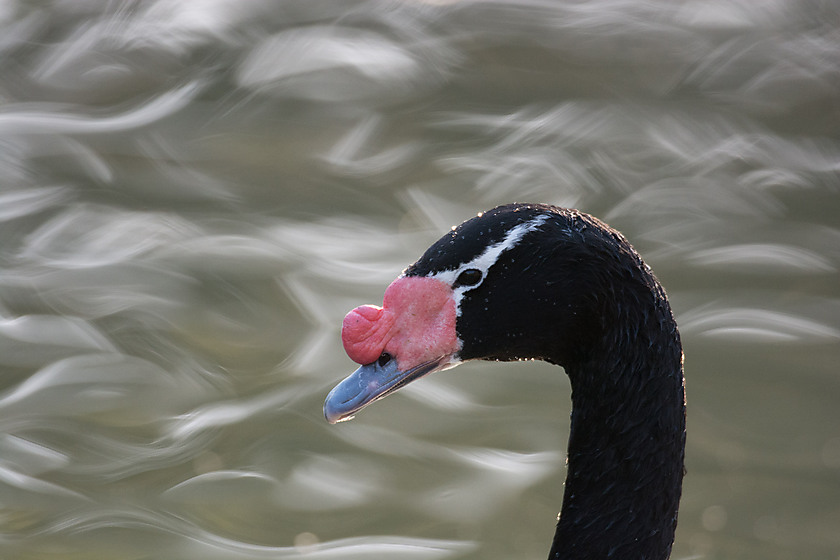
<point x="575" y="293"/>
<point x="533" y="281"/>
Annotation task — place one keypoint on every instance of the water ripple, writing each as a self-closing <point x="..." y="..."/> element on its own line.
<point x="204" y="544"/>
<point x="51" y="120"/>
<point x="758" y="257"/>
<point x="757" y="325"/>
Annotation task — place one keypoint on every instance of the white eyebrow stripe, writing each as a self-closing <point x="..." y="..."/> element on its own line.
<point x="488" y="258"/>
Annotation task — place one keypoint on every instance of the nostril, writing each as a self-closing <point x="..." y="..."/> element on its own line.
<point x="384" y="359"/>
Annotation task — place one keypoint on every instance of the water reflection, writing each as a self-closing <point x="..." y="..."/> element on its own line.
<point x="195" y="193"/>
<point x="771" y="257"/>
<point x="335" y="64"/>
<point x="758" y="325"/>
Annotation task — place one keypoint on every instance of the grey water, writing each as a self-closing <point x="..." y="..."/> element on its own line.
<point x="193" y="194"/>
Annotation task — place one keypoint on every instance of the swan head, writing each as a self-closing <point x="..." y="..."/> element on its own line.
<point x="507" y="284"/>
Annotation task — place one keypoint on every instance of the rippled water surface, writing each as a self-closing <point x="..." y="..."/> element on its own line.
<point x="193" y="194"/>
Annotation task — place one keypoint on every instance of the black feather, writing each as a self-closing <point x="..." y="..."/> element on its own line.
<point x="574" y="292"/>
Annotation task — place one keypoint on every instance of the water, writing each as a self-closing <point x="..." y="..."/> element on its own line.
<point x="194" y="193"/>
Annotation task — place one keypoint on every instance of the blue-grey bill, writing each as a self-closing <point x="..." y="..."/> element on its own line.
<point x="372" y="382"/>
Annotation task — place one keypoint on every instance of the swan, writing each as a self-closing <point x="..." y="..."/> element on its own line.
<point x="534" y="281"/>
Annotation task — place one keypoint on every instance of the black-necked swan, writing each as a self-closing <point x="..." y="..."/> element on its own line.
<point x="532" y="281"/>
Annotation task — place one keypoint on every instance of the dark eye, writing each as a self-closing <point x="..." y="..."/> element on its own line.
<point x="384" y="359"/>
<point x="469" y="277"/>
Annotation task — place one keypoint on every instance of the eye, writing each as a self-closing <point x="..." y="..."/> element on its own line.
<point x="469" y="277"/>
<point x="384" y="359"/>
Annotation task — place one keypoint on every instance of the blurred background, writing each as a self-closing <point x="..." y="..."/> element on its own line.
<point x="193" y="194"/>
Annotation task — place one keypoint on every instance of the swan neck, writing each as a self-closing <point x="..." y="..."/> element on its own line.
<point x="626" y="446"/>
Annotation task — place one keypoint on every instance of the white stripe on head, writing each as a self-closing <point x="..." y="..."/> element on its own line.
<point x="488" y="258"/>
